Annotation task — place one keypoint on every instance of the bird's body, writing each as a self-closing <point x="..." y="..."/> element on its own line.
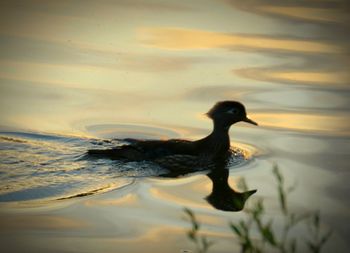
<point x="183" y="155"/>
<point x="174" y="155"/>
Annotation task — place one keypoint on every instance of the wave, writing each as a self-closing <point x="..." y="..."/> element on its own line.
<point x="40" y="166"/>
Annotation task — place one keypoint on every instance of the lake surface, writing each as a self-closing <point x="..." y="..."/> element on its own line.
<point x="78" y="75"/>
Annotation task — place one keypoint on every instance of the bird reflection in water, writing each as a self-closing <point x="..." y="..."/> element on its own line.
<point x="222" y="196"/>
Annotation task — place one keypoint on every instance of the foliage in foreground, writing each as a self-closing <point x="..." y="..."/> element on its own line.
<point x="267" y="239"/>
<point x="201" y="242"/>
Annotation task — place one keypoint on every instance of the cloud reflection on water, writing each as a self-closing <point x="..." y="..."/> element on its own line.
<point x="40" y="222"/>
<point x="180" y="38"/>
<point x="306" y="10"/>
<point x="67" y="65"/>
<point x="295" y="76"/>
<point x="333" y="124"/>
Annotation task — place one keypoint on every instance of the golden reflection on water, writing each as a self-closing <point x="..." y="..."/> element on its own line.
<point x="52" y="74"/>
<point x="308" y="11"/>
<point x="177" y="38"/>
<point x="175" y="196"/>
<point x="331" y="124"/>
<point x="40" y="222"/>
<point x="158" y="239"/>
<point x="317" y="77"/>
<point x="297" y="77"/>
<point x="312" y="14"/>
<point x="127" y="200"/>
<point x="159" y="65"/>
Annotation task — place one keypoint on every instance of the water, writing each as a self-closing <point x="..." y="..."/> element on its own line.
<point x="76" y="76"/>
<point x="42" y="174"/>
<point x="51" y="167"/>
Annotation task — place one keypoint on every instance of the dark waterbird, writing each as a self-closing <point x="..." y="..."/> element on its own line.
<point x="183" y="156"/>
<point x="180" y="157"/>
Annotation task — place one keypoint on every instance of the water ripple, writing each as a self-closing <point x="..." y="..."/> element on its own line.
<point x="37" y="166"/>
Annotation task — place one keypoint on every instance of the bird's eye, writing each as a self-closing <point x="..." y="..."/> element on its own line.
<point x="232" y="111"/>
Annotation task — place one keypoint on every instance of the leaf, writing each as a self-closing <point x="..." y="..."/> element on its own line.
<point x="244" y="226"/>
<point x="258" y="209"/>
<point x="189" y="213"/>
<point x="247" y="246"/>
<point x="236" y="229"/>
<point x="313" y="247"/>
<point x="260" y="205"/>
<point x="195" y="224"/>
<point x="206" y="244"/>
<point x="325" y="238"/>
<point x="277" y="174"/>
<point x="192" y="235"/>
<point x="267" y="234"/>
<point x="282" y="198"/>
<point x="316" y="220"/>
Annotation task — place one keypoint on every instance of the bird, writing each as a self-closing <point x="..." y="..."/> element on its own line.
<point x="180" y="156"/>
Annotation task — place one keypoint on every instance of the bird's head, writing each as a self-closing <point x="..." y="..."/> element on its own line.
<point x="228" y="113"/>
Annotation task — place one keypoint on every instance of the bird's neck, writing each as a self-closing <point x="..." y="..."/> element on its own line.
<point x="221" y="127"/>
<point x="218" y="142"/>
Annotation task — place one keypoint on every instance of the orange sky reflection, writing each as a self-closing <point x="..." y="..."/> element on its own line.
<point x="335" y="124"/>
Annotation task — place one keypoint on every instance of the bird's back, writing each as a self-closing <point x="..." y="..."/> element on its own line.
<point x="138" y="150"/>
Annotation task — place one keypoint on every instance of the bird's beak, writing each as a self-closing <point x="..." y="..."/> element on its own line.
<point x="250" y="121"/>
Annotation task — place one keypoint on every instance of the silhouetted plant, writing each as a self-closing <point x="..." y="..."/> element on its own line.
<point x="201" y="242"/>
<point x="268" y="238"/>
<point x="316" y="242"/>
<point x="282" y="243"/>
